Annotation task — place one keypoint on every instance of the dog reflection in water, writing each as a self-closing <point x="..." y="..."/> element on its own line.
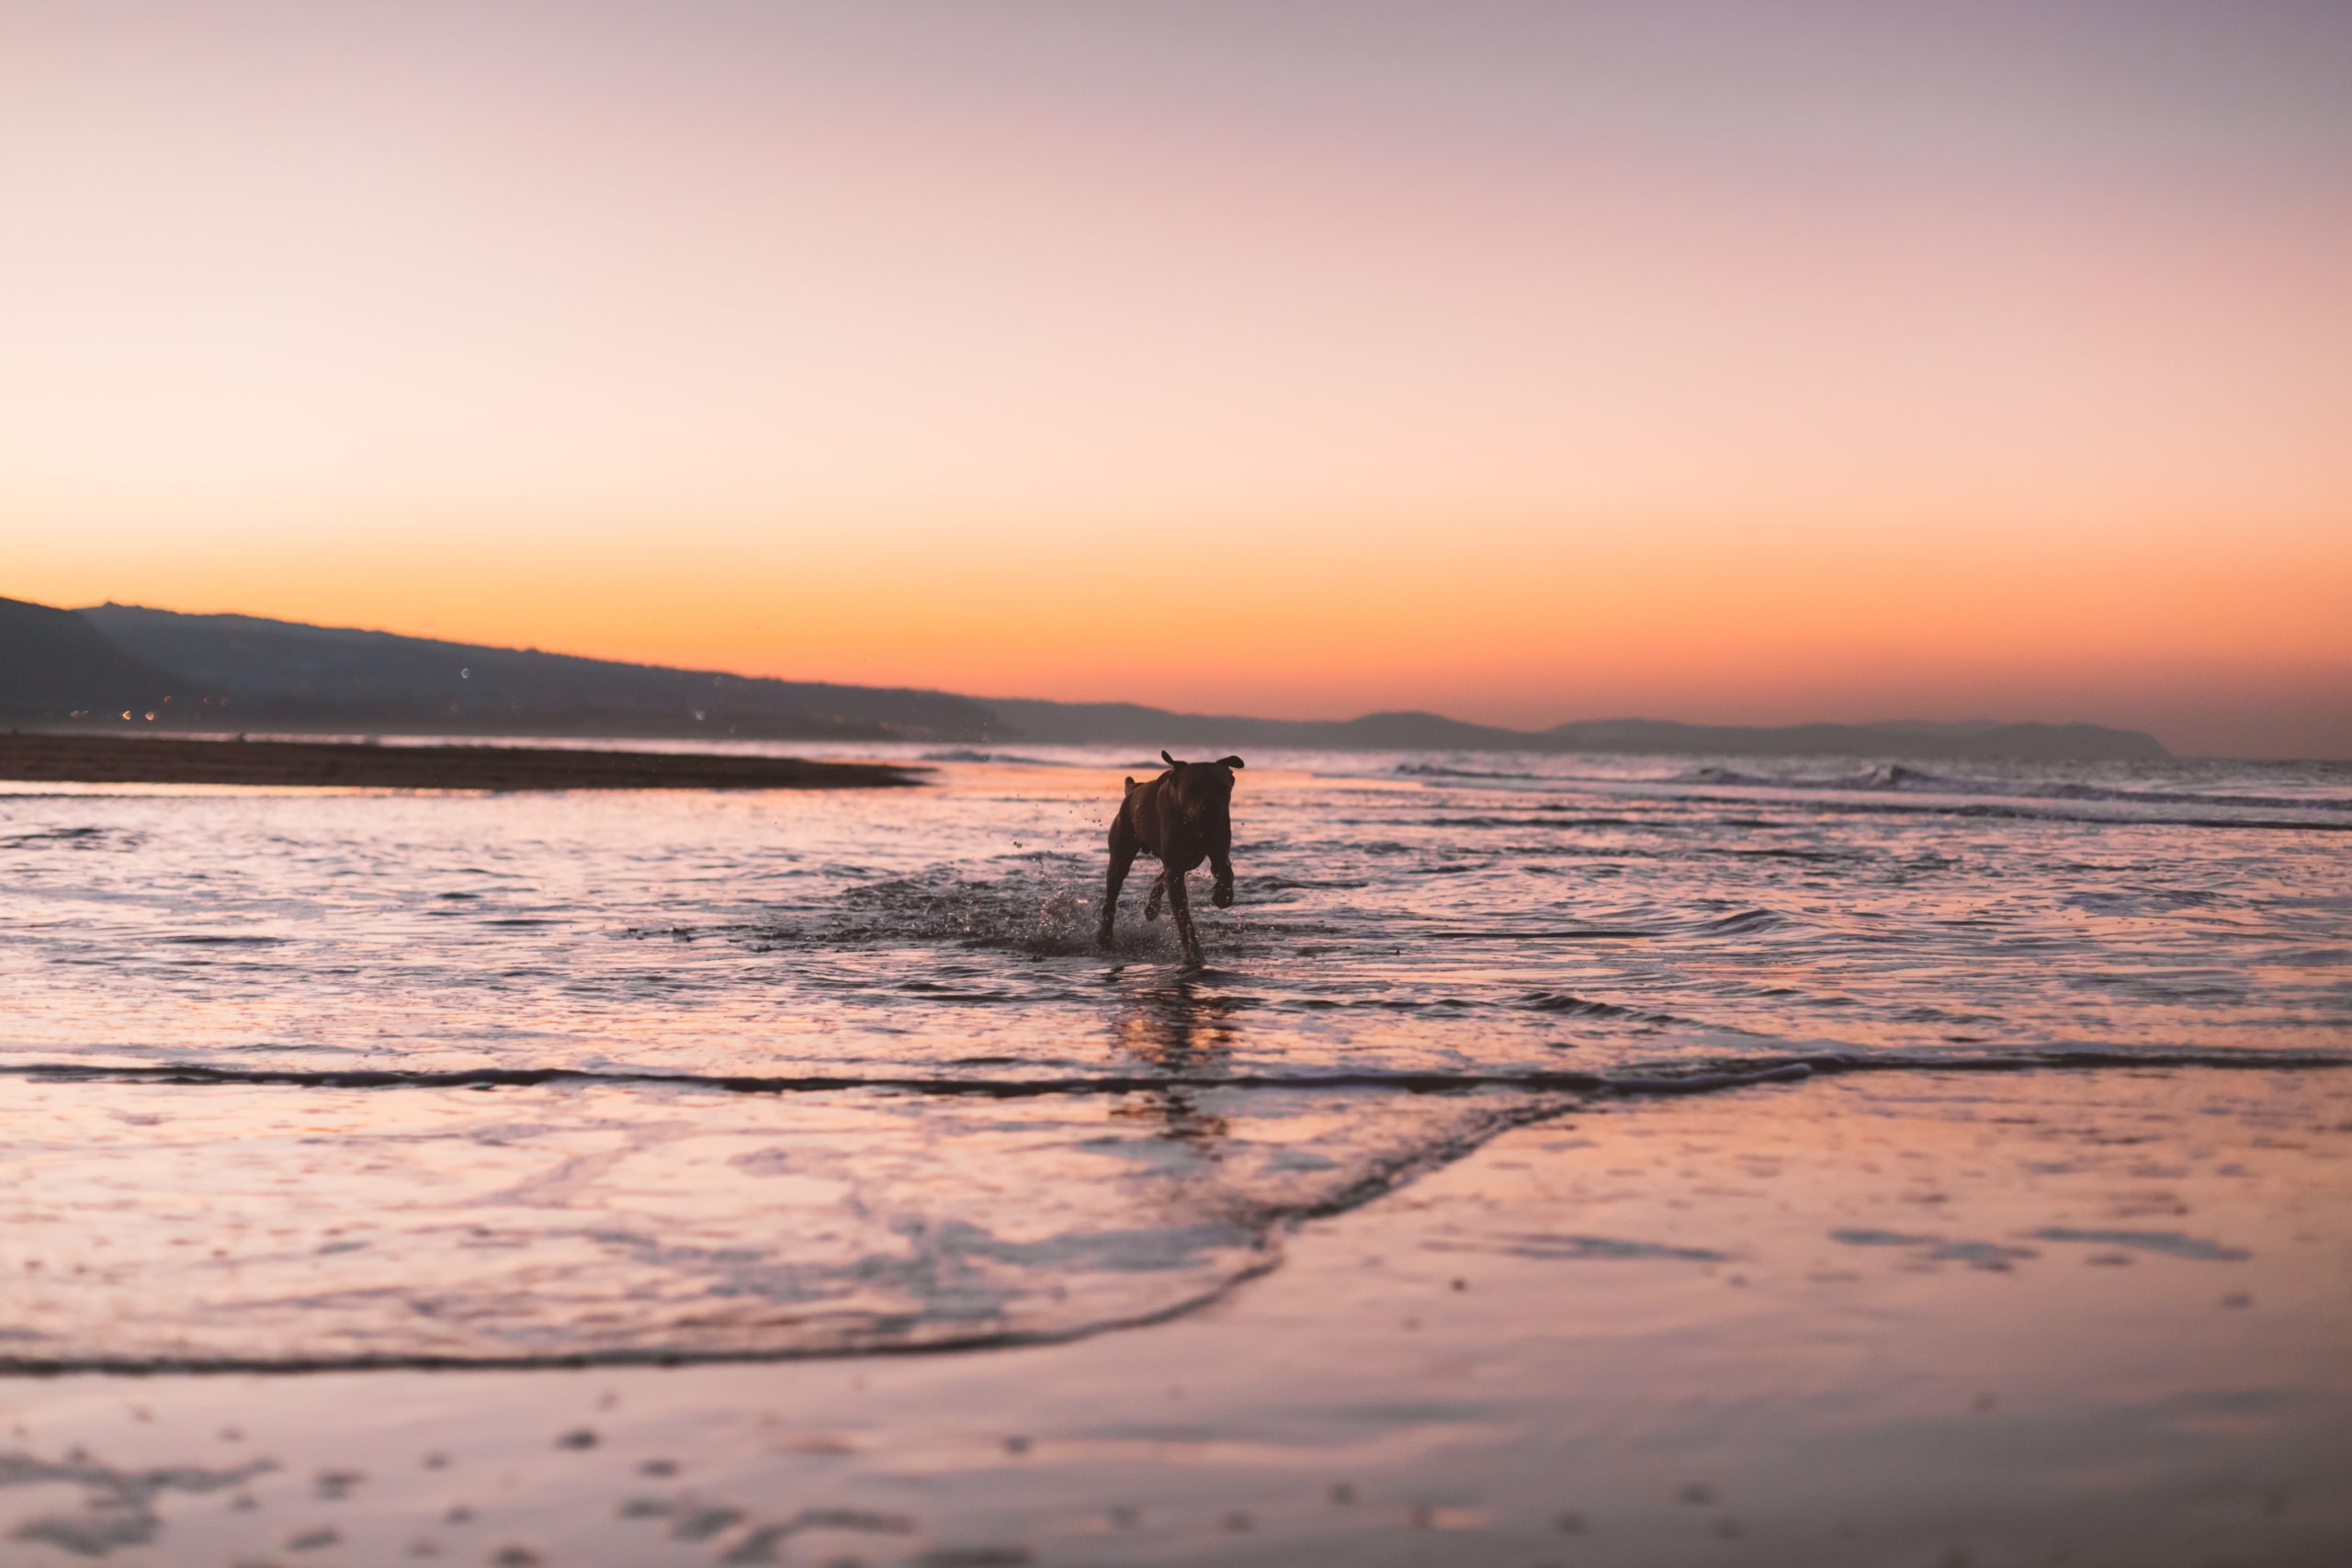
<point x="1165" y="1021"/>
<point x="1181" y="818"/>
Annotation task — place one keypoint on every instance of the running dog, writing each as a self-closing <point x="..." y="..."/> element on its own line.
<point x="1181" y="818"/>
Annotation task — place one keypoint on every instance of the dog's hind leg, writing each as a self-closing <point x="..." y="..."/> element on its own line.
<point x="1158" y="891"/>
<point x="1123" y="855"/>
<point x="1182" y="907"/>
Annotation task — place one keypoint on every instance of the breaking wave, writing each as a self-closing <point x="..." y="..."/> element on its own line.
<point x="1900" y="777"/>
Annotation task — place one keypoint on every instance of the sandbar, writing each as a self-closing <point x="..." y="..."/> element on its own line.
<point x="343" y="764"/>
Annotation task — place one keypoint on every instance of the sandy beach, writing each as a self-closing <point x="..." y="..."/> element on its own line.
<point x="2089" y="1319"/>
<point x="152" y="759"/>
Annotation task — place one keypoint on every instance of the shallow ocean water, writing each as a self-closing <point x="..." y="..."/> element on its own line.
<point x="366" y="1078"/>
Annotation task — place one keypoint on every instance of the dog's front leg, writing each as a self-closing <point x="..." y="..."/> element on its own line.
<point x="1158" y="890"/>
<point x="1221" y="876"/>
<point x="1123" y="855"/>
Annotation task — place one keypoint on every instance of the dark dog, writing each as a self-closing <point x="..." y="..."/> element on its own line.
<point x="1181" y="818"/>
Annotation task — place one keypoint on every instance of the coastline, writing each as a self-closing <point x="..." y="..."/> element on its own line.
<point x="343" y="764"/>
<point x="1928" y="1319"/>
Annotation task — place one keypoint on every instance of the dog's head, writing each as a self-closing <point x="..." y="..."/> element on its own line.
<point x="1203" y="790"/>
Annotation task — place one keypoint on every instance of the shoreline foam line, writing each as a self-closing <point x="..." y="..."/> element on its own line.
<point x="1637" y="1078"/>
<point x="2020" y="808"/>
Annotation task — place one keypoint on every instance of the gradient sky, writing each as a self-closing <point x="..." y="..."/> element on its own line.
<point x="1740" y="363"/>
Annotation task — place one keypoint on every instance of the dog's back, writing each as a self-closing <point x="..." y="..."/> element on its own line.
<point x="1140" y="810"/>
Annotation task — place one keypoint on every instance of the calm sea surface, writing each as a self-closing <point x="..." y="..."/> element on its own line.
<point x="303" y="1079"/>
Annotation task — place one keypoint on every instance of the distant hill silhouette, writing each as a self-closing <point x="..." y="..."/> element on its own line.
<point x="55" y="664"/>
<point x="246" y="672"/>
<point x="1081" y="723"/>
<point x="267" y="673"/>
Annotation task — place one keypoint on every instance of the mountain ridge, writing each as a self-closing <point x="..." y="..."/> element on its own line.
<point x="238" y="673"/>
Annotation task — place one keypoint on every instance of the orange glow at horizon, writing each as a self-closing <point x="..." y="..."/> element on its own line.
<point x="1525" y="369"/>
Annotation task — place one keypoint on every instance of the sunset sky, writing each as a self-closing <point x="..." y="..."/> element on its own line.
<point x="1738" y="362"/>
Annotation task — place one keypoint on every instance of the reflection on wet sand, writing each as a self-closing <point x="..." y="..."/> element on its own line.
<point x="601" y="1223"/>
<point x="1183" y="1024"/>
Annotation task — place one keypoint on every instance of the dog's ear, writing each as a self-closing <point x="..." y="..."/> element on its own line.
<point x="1131" y="786"/>
<point x="1229" y="762"/>
<point x="1169" y="760"/>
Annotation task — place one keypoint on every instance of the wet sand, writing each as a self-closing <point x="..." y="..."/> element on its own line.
<point x="1963" y="1320"/>
<point x="111" y="758"/>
